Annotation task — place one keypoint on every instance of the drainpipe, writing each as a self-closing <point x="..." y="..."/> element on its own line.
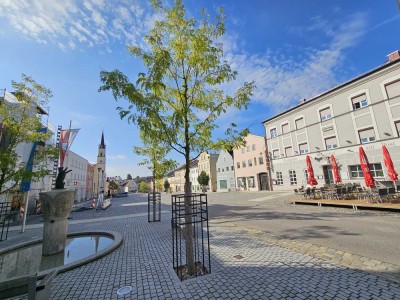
<point x="268" y="164"/>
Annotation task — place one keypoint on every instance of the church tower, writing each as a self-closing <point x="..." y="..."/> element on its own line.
<point x="100" y="168"/>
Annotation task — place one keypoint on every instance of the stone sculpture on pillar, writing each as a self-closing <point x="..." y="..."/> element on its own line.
<point x="56" y="207"/>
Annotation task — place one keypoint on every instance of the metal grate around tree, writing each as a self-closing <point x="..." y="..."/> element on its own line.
<point x="154" y="207"/>
<point x="187" y="221"/>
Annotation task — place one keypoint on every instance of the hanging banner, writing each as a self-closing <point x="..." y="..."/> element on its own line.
<point x="66" y="138"/>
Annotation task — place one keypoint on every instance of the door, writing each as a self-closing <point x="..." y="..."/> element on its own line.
<point x="328" y="174"/>
<point x="264" y="181"/>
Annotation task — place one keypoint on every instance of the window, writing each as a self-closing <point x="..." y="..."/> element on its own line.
<point x="331" y="143"/>
<point x="398" y="128"/>
<point x="292" y="177"/>
<point x="253" y="147"/>
<point x="306" y="175"/>
<point x="261" y="160"/>
<point x="238" y="165"/>
<point x="300" y="123"/>
<point x="359" y="101"/>
<point x="248" y="148"/>
<point x="250" y="181"/>
<point x="366" y="135"/>
<point x="227" y="169"/>
<point x="275" y="153"/>
<point x="249" y="163"/>
<point x="218" y="170"/>
<point x="285" y="128"/>
<point x="279" y="178"/>
<point x="273" y="132"/>
<point x="356" y="171"/>
<point x="303" y="148"/>
<point x="393" y="89"/>
<point x="288" y="151"/>
<point x="255" y="161"/>
<point x="325" y="114"/>
<point x="232" y="167"/>
<point x="243" y="164"/>
<point x="223" y="184"/>
<point x="243" y="150"/>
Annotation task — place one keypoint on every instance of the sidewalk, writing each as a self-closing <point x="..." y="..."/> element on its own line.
<point x="266" y="271"/>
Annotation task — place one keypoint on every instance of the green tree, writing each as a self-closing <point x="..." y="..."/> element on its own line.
<point x="159" y="185"/>
<point x="155" y="160"/>
<point x="129" y="177"/>
<point x="20" y="123"/>
<point x="166" y="185"/>
<point x="113" y="186"/>
<point x="179" y="97"/>
<point x="143" y="186"/>
<point x="203" y="179"/>
<point x="154" y="152"/>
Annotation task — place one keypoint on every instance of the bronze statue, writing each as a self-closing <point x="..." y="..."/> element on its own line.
<point x="62" y="172"/>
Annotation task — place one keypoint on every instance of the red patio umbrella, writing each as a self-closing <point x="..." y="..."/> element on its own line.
<point x="389" y="164"/>
<point x="369" y="180"/>
<point x="335" y="169"/>
<point x="310" y="171"/>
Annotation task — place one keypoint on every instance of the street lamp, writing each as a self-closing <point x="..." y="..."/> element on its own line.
<point x="98" y="182"/>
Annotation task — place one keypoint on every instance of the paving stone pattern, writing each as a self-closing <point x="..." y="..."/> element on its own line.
<point x="266" y="271"/>
<point x="246" y="264"/>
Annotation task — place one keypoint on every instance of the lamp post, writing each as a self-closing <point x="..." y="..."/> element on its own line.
<point x="98" y="182"/>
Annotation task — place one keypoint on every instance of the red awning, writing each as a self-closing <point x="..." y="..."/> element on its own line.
<point x="389" y="164"/>
<point x="335" y="169"/>
<point x="369" y="180"/>
<point x="310" y="171"/>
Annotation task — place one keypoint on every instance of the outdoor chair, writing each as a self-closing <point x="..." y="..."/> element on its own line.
<point x="307" y="193"/>
<point x="336" y="194"/>
<point x="378" y="195"/>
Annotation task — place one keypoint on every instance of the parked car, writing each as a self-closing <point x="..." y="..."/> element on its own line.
<point x="124" y="194"/>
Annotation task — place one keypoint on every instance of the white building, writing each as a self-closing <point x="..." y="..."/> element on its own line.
<point x="364" y="111"/>
<point x="77" y="178"/>
<point x="194" y="173"/>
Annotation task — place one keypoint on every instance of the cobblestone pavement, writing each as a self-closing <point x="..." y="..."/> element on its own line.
<point x="271" y="267"/>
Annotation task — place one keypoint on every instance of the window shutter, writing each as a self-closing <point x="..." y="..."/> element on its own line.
<point x="289" y="151"/>
<point x="393" y="89"/>
<point x="367" y="133"/>
<point x="300" y="123"/>
<point x="285" y="128"/>
<point x="303" y="147"/>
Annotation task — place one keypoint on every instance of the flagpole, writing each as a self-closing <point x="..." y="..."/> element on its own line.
<point x="69" y="133"/>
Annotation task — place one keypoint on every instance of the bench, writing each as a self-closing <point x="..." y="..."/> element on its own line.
<point x="36" y="290"/>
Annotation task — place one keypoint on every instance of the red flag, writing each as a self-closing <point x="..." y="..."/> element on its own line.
<point x="335" y="169"/>
<point x="310" y="171"/>
<point x="389" y="164"/>
<point x="66" y="139"/>
<point x="369" y="180"/>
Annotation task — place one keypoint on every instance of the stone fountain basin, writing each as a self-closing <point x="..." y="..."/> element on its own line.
<point x="15" y="282"/>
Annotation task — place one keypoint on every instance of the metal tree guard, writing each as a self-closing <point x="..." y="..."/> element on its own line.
<point x="154" y="203"/>
<point x="201" y="238"/>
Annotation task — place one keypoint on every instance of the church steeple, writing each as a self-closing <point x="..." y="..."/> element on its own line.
<point x="102" y="145"/>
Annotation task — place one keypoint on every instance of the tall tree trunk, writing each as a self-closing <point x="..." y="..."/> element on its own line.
<point x="154" y="194"/>
<point x="188" y="220"/>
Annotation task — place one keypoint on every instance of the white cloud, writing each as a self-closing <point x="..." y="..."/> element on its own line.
<point x="283" y="80"/>
<point x="79" y="119"/>
<point x="117" y="157"/>
<point x="69" y="22"/>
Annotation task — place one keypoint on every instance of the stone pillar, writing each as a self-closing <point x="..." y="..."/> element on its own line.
<point x="56" y="207"/>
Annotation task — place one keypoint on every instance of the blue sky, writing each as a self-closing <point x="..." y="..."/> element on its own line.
<point x="291" y="49"/>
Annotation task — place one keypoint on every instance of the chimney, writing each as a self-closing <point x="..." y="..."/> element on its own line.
<point x="394" y="56"/>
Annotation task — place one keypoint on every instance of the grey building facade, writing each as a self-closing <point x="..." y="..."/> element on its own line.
<point x="364" y="111"/>
<point x="225" y="172"/>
